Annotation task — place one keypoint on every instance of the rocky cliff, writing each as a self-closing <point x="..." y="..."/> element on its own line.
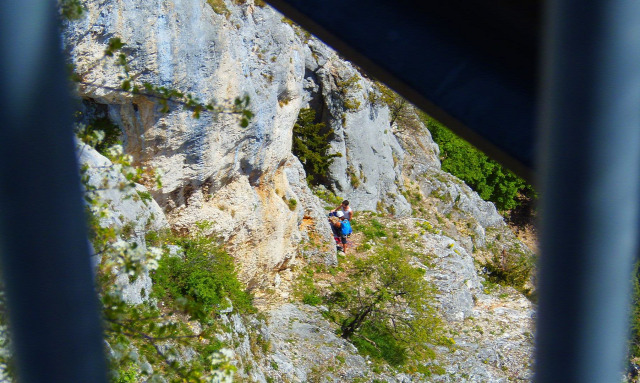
<point x="243" y="179"/>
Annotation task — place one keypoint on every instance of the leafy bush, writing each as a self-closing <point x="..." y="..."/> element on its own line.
<point x="508" y="268"/>
<point x="311" y="146"/>
<point x="125" y="375"/>
<point x="327" y="197"/>
<point x="346" y="88"/>
<point x="144" y="196"/>
<point x="110" y="132"/>
<point x="311" y="299"/>
<point x="146" y="339"/>
<point x="219" y="7"/>
<point x="353" y="177"/>
<point x="401" y="112"/>
<point x="205" y="279"/>
<point x="491" y="180"/>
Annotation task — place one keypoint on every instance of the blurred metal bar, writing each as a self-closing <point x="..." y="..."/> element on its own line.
<point x="471" y="64"/>
<point x="590" y="171"/>
<point x="52" y="305"/>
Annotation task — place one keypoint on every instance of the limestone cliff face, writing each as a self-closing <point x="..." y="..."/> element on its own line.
<point x="214" y="170"/>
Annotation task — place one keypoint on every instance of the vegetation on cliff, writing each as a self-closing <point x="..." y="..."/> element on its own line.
<point x="492" y="181"/>
<point x="203" y="279"/>
<point x="386" y="308"/>
<point x="381" y="301"/>
<point x="311" y="144"/>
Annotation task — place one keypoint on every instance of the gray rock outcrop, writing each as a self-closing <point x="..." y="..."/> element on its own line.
<point x="369" y="171"/>
<point x="454" y="275"/>
<point x="142" y="213"/>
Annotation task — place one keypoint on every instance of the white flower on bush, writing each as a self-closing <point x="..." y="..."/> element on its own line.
<point x="120" y="246"/>
<point x="155" y="252"/>
<point x="153" y="257"/>
<point x="152" y="264"/>
<point x="221" y="362"/>
<point x="115" y="151"/>
<point x="98" y="135"/>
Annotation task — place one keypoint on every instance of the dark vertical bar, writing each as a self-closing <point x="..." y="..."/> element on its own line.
<point x="52" y="306"/>
<point x="590" y="182"/>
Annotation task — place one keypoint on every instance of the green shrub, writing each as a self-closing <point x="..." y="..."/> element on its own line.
<point x="353" y="178"/>
<point x="311" y="299"/>
<point x="371" y="229"/>
<point x="144" y="196"/>
<point x="219" y="7"/>
<point x="205" y="280"/>
<point x="488" y="178"/>
<point x="327" y="196"/>
<point x="377" y="341"/>
<point x="509" y="268"/>
<point x="112" y="133"/>
<point x="346" y="88"/>
<point x="401" y="112"/>
<point x="311" y="146"/>
<point x="292" y="204"/>
<point x="351" y="104"/>
<point x="125" y="375"/>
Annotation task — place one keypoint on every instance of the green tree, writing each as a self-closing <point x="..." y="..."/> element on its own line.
<point x="386" y="308"/>
<point x="491" y="180"/>
<point x="311" y="144"/>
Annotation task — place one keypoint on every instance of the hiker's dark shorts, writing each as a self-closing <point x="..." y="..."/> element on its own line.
<point x="343" y="239"/>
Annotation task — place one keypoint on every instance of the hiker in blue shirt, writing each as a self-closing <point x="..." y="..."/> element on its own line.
<point x="344" y="229"/>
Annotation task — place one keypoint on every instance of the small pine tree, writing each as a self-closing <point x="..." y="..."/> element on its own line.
<point x="311" y="146"/>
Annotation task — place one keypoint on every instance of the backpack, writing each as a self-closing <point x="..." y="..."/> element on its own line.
<point x="346" y="227"/>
